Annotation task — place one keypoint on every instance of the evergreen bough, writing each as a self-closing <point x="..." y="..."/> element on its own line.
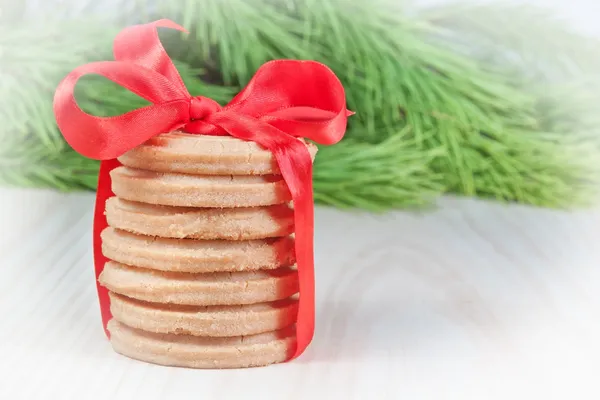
<point x="463" y="99"/>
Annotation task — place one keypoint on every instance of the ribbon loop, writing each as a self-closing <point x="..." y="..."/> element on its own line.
<point x="141" y="45"/>
<point x="104" y="138"/>
<point x="300" y="98"/>
<point x="285" y="99"/>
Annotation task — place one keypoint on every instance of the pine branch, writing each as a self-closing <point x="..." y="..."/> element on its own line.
<point x="482" y="126"/>
<point x="430" y="119"/>
<point x="35" y="165"/>
<point x="232" y="37"/>
<point x="33" y="63"/>
<point x="391" y="174"/>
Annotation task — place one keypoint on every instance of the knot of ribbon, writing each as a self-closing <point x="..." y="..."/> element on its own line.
<point x="285" y="100"/>
<point x="201" y="107"/>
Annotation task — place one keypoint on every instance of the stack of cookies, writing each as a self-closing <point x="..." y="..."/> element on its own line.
<point x="200" y="241"/>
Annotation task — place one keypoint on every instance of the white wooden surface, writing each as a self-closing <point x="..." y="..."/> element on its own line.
<point x="473" y="300"/>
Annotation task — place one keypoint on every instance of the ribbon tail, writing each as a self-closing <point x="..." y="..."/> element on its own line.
<point x="103" y="193"/>
<point x="295" y="165"/>
<point x="303" y="220"/>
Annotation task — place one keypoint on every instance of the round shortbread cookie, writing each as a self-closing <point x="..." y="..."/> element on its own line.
<point x="189" y="255"/>
<point x="215" y="321"/>
<point x="203" y="352"/>
<point x="200" y="223"/>
<point x="204" y="155"/>
<point x="198" y="190"/>
<point x="209" y="289"/>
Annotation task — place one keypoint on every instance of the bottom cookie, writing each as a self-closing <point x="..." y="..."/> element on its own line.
<point x="203" y="352"/>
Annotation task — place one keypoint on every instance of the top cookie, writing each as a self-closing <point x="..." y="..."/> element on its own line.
<point x="204" y="155"/>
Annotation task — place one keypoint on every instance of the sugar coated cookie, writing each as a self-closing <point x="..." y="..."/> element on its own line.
<point x="188" y="255"/>
<point x="208" y="289"/>
<point x="198" y="190"/>
<point x="203" y="352"/>
<point x="204" y="155"/>
<point x="214" y="321"/>
<point x="200" y="223"/>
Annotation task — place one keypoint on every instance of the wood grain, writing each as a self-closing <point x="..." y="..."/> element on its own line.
<point x="472" y="300"/>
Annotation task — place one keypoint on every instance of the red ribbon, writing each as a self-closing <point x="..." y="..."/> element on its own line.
<point x="285" y="99"/>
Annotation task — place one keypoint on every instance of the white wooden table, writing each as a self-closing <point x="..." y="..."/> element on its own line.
<point x="473" y="300"/>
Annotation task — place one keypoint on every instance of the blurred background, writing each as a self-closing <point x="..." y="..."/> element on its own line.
<point x="489" y="99"/>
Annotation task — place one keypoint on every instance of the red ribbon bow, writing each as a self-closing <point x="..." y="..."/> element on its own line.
<point x="284" y="100"/>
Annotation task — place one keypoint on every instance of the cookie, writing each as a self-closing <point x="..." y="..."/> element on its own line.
<point x="200" y="223"/>
<point x="214" y="321"/>
<point x="189" y="255"/>
<point x="203" y="352"/>
<point x="204" y="155"/>
<point x="219" y="288"/>
<point x="198" y="190"/>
